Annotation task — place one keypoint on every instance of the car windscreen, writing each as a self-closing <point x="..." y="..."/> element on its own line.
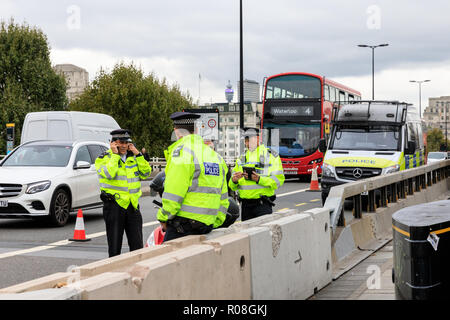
<point x="377" y="138"/>
<point x="39" y="156"/>
<point x="436" y="155"/>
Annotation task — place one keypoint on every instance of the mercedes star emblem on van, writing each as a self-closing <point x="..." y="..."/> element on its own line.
<point x="357" y="173"/>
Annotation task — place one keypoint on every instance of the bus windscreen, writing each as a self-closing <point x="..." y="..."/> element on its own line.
<point x="293" y="87"/>
<point x="292" y="140"/>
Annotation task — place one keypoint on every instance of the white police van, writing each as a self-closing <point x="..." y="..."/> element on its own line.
<point x="371" y="138"/>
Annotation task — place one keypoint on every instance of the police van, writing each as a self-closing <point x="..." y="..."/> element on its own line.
<point x="371" y="138"/>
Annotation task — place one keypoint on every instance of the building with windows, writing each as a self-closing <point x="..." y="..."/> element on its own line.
<point x="436" y="115"/>
<point x="229" y="142"/>
<point x="251" y="91"/>
<point x="77" y="79"/>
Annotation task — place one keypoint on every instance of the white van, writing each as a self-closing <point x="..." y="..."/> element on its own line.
<point x="372" y="138"/>
<point x="67" y="126"/>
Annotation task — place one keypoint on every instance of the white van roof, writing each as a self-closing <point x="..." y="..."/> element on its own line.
<point x="374" y="111"/>
<point x="67" y="125"/>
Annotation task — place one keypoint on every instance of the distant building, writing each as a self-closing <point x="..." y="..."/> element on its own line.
<point x="436" y="115"/>
<point x="229" y="144"/>
<point x="77" y="79"/>
<point x="251" y="91"/>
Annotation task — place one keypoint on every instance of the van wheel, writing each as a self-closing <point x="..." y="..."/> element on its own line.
<point x="59" y="208"/>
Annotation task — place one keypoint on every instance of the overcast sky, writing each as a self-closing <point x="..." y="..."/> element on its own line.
<point x="180" y="39"/>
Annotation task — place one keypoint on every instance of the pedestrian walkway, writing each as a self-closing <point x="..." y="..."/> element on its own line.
<point x="369" y="280"/>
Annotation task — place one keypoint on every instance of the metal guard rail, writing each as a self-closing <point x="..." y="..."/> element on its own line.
<point x="391" y="187"/>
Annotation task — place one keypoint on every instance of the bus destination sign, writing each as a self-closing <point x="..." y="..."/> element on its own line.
<point x="302" y="111"/>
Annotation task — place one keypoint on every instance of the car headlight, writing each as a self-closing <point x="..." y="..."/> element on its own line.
<point x="327" y="170"/>
<point x="38" y="186"/>
<point x="391" y="169"/>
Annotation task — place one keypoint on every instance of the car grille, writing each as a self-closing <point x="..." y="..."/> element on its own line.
<point x="9" y="190"/>
<point x="356" y="173"/>
<point x="13" y="208"/>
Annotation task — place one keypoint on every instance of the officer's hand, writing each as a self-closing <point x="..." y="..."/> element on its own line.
<point x="113" y="146"/>
<point x="163" y="226"/>
<point x="133" y="149"/>
<point x="255" y="176"/>
<point x="237" y="176"/>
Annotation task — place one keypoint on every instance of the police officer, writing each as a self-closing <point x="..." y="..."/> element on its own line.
<point x="256" y="176"/>
<point x="195" y="196"/>
<point x="120" y="170"/>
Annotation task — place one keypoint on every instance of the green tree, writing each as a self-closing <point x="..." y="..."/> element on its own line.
<point x="27" y="81"/>
<point x="139" y="103"/>
<point x="435" y="138"/>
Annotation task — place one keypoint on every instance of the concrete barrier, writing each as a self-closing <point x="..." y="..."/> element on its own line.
<point x="285" y="255"/>
<point x="291" y="256"/>
<point x="360" y="237"/>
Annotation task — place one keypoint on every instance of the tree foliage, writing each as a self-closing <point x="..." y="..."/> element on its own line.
<point x="27" y="81"/>
<point x="435" y="139"/>
<point x="139" y="103"/>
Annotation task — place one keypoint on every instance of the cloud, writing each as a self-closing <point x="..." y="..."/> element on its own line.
<point x="179" y="39"/>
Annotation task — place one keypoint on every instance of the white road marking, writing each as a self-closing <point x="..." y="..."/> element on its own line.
<point x="292" y="192"/>
<point x="59" y="243"/>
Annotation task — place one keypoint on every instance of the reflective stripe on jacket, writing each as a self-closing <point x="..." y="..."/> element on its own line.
<point x="195" y="182"/>
<point x="122" y="179"/>
<point x="269" y="168"/>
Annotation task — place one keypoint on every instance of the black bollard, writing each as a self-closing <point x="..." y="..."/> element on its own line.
<point x="421" y="247"/>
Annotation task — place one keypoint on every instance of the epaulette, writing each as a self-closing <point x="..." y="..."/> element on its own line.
<point x="176" y="152"/>
<point x="101" y="156"/>
<point x="273" y="152"/>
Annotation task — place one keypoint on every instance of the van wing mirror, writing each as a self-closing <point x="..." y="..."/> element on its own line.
<point x="82" y="165"/>
<point x="411" y="147"/>
<point x="322" y="145"/>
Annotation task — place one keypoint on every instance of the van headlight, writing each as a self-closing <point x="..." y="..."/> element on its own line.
<point x="38" y="186"/>
<point x="327" y="171"/>
<point x="391" y="169"/>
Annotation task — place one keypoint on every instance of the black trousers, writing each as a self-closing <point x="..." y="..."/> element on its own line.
<point x="188" y="227"/>
<point x="251" y="210"/>
<point x="118" y="220"/>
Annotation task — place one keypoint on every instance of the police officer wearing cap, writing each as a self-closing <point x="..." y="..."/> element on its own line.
<point x="120" y="170"/>
<point x="195" y="197"/>
<point x="256" y="176"/>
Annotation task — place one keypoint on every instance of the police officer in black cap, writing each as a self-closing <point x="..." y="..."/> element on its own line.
<point x="256" y="176"/>
<point x="195" y="198"/>
<point x="120" y="170"/>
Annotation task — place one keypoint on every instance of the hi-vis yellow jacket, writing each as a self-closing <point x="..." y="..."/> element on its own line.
<point x="122" y="179"/>
<point x="195" y="185"/>
<point x="267" y="165"/>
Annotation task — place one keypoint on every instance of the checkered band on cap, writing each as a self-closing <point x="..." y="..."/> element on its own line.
<point x="119" y="136"/>
<point x="184" y="121"/>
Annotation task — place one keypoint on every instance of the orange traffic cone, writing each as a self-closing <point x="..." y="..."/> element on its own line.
<point x="79" y="233"/>
<point x="314" y="186"/>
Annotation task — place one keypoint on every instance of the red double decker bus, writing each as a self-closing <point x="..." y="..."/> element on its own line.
<point x="297" y="109"/>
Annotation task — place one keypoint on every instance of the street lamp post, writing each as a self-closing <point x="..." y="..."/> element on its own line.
<point x="373" y="63"/>
<point x="241" y="72"/>
<point x="420" y="94"/>
<point x="445" y="119"/>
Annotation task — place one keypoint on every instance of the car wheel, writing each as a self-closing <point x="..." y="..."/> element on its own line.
<point x="59" y="208"/>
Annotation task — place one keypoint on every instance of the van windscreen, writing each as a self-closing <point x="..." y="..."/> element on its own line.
<point x="376" y="138"/>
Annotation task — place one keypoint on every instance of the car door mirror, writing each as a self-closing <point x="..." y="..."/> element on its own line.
<point x="322" y="145"/>
<point x="82" y="165"/>
<point x="411" y="147"/>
